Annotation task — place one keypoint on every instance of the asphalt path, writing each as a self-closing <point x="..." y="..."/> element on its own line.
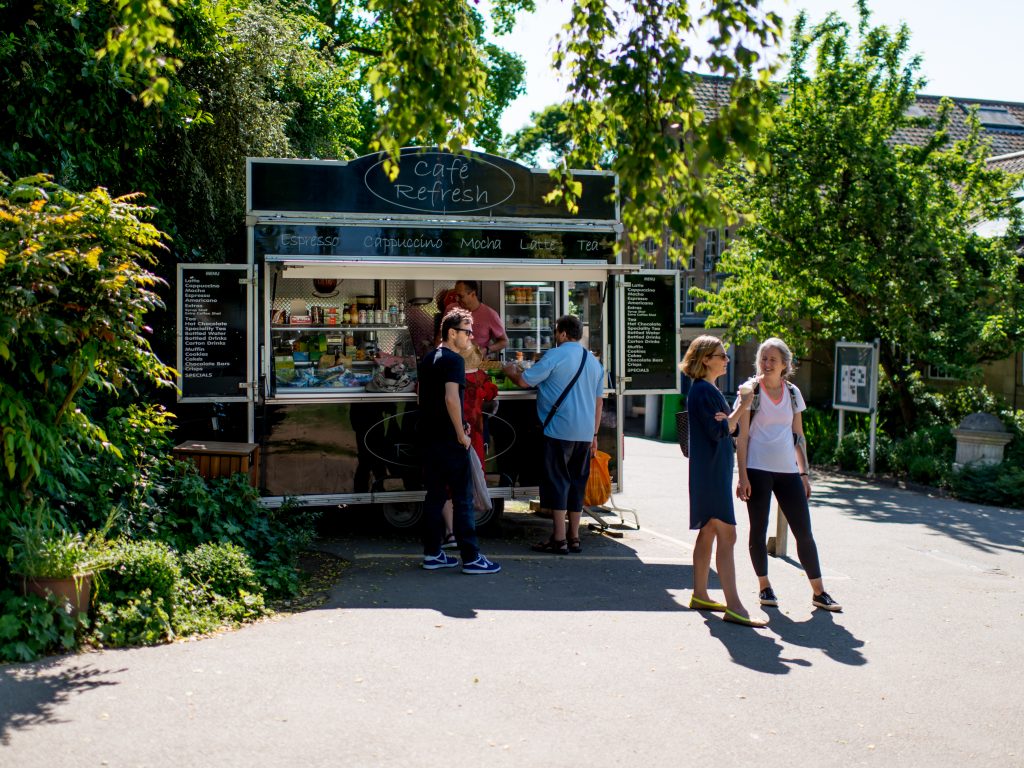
<point x="588" y="659"/>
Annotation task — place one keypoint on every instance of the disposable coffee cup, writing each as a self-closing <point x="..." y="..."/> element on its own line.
<point x="746" y="388"/>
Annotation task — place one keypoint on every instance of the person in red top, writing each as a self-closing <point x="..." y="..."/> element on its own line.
<point x="479" y="390"/>
<point x="488" y="330"/>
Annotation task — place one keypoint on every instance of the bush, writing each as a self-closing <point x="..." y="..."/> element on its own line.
<point x="220" y="585"/>
<point x="137" y="596"/>
<point x="964" y="401"/>
<point x="228" y="510"/>
<point x="132" y="484"/>
<point x="928" y="406"/>
<point x="998" y="484"/>
<point x="821" y="429"/>
<point x="32" y="626"/>
<point x="132" y="619"/>
<point x="926" y="455"/>
<point x="72" y="319"/>
<point x="853" y="452"/>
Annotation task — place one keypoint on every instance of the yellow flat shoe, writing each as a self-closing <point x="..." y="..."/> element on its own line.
<point x="734" y="618"/>
<point x="705" y="605"/>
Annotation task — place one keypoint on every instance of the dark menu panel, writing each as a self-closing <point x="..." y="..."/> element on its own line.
<point x="212" y="344"/>
<point x="429" y="182"/>
<point x="432" y="242"/>
<point x="650" y="326"/>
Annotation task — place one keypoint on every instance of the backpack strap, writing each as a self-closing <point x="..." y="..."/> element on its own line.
<point x="561" y="397"/>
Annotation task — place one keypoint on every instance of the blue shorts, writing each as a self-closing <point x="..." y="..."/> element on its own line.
<point x="566" y="471"/>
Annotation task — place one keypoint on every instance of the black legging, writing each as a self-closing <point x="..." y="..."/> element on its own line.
<point x="789" y="490"/>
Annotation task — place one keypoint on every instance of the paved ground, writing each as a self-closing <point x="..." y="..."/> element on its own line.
<point x="585" y="660"/>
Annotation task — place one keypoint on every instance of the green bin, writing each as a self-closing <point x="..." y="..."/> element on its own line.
<point x="669" y="405"/>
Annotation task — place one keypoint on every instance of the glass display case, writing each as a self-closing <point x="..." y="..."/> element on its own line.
<point x="531" y="309"/>
<point x="334" y="335"/>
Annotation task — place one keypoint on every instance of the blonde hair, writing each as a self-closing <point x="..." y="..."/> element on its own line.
<point x="780" y="346"/>
<point x="473" y="357"/>
<point x="694" y="362"/>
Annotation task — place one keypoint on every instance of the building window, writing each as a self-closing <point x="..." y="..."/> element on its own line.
<point x="689" y="301"/>
<point x="935" y="372"/>
<point x="674" y="255"/>
<point x="999" y="118"/>
<point x="692" y="263"/>
<point x="711" y="250"/>
<point x="649" y="248"/>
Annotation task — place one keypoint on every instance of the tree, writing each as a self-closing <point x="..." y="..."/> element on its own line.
<point x="634" y="107"/>
<point x="853" y="234"/>
<point x="72" y="319"/>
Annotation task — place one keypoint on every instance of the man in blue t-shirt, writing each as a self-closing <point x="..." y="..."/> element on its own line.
<point x="445" y="445"/>
<point x="571" y="424"/>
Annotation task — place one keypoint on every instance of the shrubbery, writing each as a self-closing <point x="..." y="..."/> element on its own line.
<point x="926" y="454"/>
<point x="1001" y="484"/>
<point x="136" y="597"/>
<point x="152" y="594"/>
<point x="32" y="626"/>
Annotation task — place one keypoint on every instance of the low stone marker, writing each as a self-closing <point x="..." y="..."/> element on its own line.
<point x="981" y="438"/>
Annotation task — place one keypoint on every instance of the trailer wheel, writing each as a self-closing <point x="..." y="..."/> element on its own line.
<point x="407" y="514"/>
<point x="489" y="520"/>
<point x="402" y="514"/>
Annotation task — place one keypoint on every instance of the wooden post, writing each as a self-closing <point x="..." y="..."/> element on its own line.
<point x="778" y="543"/>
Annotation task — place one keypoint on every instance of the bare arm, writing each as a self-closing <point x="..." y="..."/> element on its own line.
<point x="801" y="452"/>
<point x="515" y="375"/>
<point x="597" y="423"/>
<point x="497" y="345"/>
<point x="742" y="444"/>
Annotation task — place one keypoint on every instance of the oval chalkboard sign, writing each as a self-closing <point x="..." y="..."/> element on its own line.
<point x="433" y="182"/>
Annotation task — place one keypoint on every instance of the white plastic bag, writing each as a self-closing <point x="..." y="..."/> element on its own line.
<point x="481" y="498"/>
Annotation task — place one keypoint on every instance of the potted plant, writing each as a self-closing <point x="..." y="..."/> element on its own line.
<point x="50" y="559"/>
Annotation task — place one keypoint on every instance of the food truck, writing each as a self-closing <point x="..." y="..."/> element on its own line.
<point x="320" y="331"/>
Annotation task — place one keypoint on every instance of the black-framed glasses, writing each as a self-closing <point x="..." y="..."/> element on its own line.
<point x="721" y="355"/>
<point x="467" y="331"/>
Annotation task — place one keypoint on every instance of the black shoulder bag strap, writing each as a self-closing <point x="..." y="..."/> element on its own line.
<point x="561" y="397"/>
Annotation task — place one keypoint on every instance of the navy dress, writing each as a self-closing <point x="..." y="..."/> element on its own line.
<point x="711" y="457"/>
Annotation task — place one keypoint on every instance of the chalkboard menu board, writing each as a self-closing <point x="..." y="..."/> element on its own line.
<point x="651" y="349"/>
<point x="213" y="361"/>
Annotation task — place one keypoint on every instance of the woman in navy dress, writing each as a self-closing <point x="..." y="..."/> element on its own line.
<point x="711" y="466"/>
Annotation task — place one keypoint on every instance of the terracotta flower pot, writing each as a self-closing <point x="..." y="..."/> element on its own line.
<point x="75" y="590"/>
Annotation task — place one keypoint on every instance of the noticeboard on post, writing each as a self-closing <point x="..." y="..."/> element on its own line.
<point x="214" y="310"/>
<point x="855" y="386"/>
<point x="650" y="350"/>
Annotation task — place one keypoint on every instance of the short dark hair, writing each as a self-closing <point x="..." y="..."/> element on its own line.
<point x="471" y="285"/>
<point x="571" y="326"/>
<point x="453" y="319"/>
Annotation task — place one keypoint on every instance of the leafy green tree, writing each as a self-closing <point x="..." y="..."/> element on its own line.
<point x="852" y="233"/>
<point x="72" y="318"/>
<point x="634" y="107"/>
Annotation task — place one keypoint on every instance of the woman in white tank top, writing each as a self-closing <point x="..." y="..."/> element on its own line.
<point x="772" y="461"/>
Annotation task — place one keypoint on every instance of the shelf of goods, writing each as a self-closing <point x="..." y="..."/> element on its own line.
<point x="317" y="349"/>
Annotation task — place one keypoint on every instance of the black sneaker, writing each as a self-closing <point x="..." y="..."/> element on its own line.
<point x="825" y="602"/>
<point x="767" y="597"/>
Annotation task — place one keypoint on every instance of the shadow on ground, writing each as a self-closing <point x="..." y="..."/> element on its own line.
<point x="609" y="576"/>
<point x="31" y="693"/>
<point x="989" y="529"/>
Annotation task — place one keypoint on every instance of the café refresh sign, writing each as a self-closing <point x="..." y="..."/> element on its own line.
<point x="442" y="182"/>
<point x="430" y="183"/>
